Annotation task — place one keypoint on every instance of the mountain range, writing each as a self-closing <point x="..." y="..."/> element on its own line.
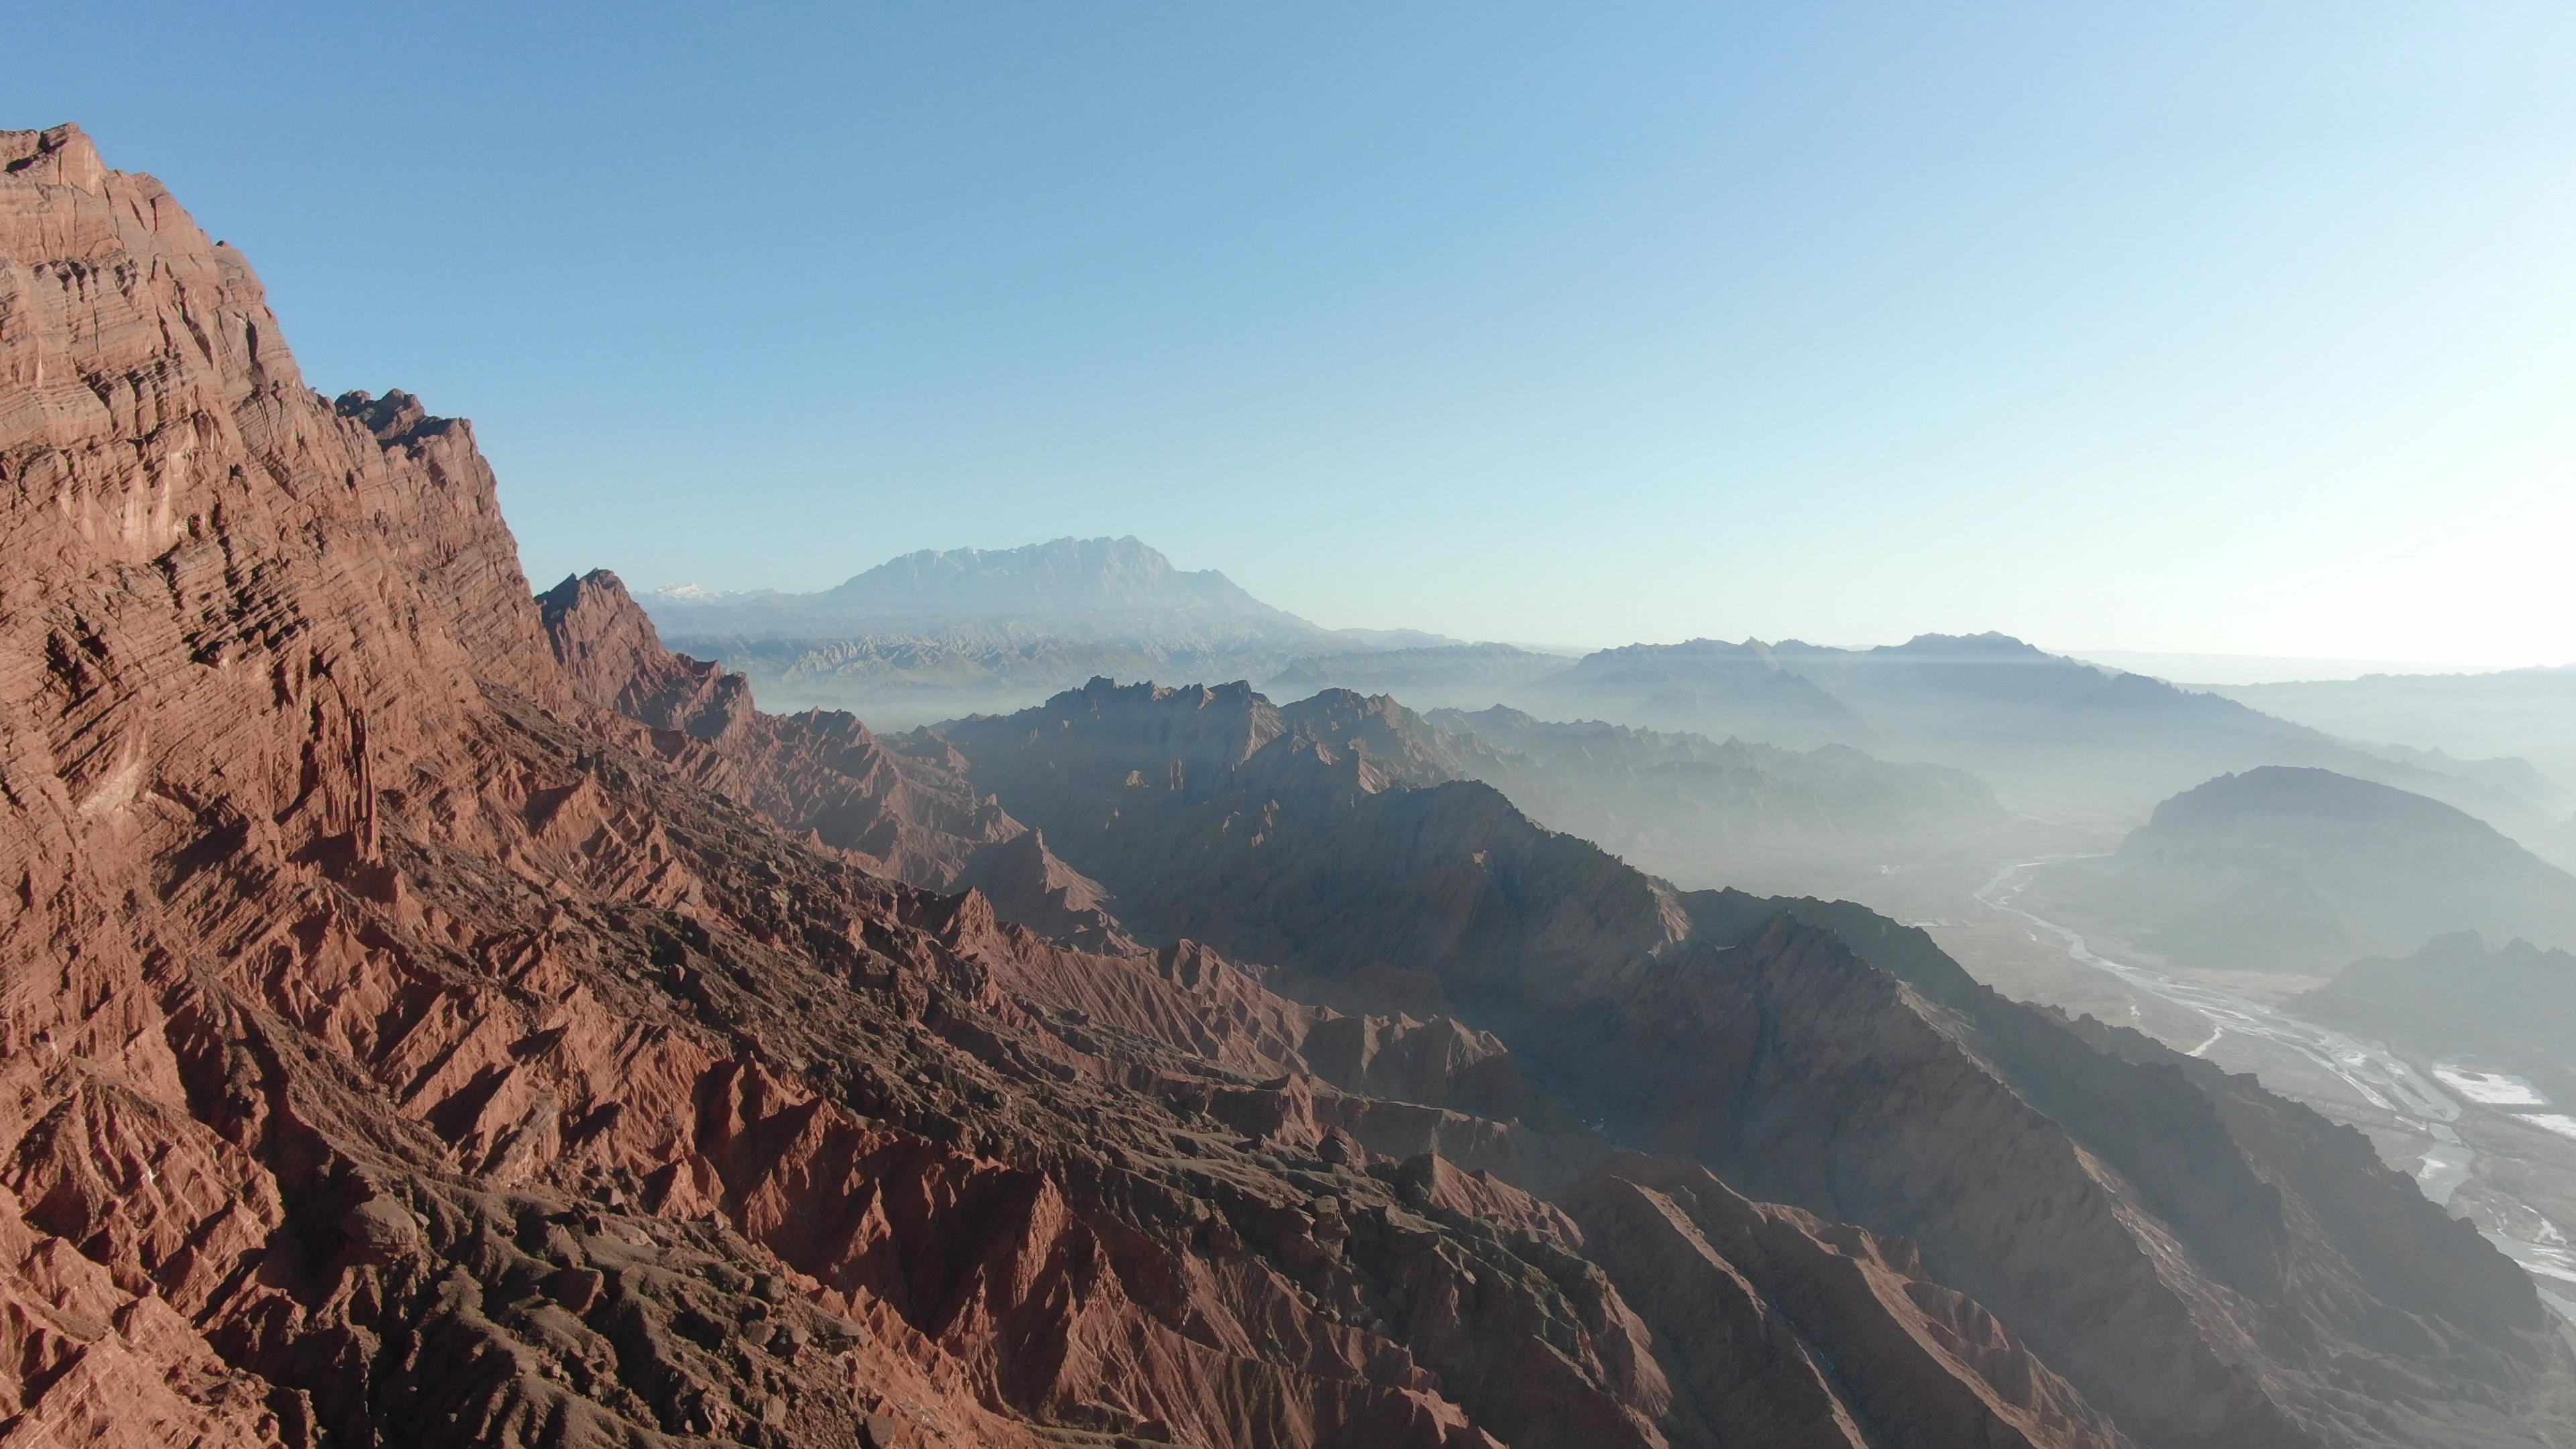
<point x="2044" y="729"/>
<point x="935" y="635"/>
<point x="1701" y="1025"/>
<point x="1109" y="584"/>
<point x="438" y="1013"/>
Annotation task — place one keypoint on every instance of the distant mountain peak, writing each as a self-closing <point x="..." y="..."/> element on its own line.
<point x="1989" y="644"/>
<point x="1059" y="576"/>
<point x="1041" y="586"/>
<point x="1124" y="551"/>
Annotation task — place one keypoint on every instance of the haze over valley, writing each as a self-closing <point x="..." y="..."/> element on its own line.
<point x="2032" y="811"/>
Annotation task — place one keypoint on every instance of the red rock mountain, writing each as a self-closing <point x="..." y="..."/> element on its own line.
<point x="432" y="1015"/>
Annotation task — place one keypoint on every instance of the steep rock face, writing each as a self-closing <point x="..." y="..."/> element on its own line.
<point x="2203" y="1261"/>
<point x="614" y="659"/>
<point x="250" y="644"/>
<point x="399" y="1046"/>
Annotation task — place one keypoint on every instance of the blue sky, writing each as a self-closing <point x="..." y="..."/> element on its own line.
<point x="2228" y="328"/>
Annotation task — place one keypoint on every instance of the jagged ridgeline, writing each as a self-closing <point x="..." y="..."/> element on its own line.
<point x="436" y="1015"/>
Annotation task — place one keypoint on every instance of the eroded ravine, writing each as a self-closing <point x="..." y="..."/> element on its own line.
<point x="2377" y="1076"/>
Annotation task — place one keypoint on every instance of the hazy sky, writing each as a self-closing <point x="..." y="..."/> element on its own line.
<point x="2232" y="327"/>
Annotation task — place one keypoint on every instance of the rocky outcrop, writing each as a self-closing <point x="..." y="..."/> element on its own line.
<point x="614" y="659"/>
<point x="822" y="771"/>
<point x="429" y="1016"/>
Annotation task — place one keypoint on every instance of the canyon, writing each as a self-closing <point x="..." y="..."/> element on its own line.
<point x="436" y="1012"/>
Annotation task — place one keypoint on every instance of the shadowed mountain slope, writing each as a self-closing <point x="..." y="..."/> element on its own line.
<point x="2508" y="1008"/>
<point x="2304" y="870"/>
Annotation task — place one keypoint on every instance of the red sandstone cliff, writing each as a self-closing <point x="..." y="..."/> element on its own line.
<point x="402" y="1046"/>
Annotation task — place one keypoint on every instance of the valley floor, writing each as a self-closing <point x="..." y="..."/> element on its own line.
<point x="2490" y="1151"/>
